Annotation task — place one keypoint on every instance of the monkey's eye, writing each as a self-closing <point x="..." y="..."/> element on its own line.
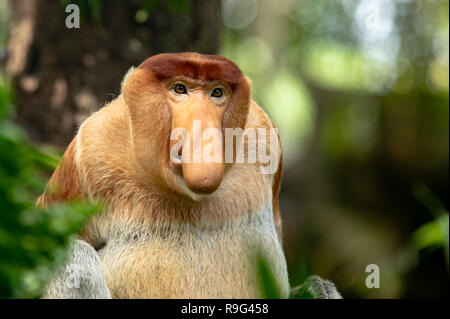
<point x="217" y="92"/>
<point x="179" y="89"/>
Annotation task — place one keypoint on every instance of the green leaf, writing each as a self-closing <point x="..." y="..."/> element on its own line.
<point x="268" y="285"/>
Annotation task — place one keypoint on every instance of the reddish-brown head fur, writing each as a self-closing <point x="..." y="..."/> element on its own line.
<point x="195" y="66"/>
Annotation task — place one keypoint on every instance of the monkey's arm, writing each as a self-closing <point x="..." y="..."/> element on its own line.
<point x="82" y="277"/>
<point x="316" y="288"/>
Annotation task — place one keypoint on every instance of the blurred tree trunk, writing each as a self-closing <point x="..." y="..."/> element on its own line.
<point x="62" y="75"/>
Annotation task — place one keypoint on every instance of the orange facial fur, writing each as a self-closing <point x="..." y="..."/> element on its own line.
<point x="121" y="155"/>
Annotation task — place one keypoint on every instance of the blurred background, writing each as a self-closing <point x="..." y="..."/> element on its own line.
<point x="358" y="88"/>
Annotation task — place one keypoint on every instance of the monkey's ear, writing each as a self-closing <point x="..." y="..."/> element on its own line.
<point x="249" y="82"/>
<point x="126" y="78"/>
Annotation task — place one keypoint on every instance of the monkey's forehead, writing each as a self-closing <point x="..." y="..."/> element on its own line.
<point x="195" y="66"/>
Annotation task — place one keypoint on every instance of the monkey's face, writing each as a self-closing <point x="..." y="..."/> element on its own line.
<point x="196" y="145"/>
<point x="180" y="105"/>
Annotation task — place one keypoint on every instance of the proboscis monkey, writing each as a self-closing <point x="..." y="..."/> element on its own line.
<point x="177" y="229"/>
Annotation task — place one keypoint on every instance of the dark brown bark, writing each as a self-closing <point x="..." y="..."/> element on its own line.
<point x="62" y="75"/>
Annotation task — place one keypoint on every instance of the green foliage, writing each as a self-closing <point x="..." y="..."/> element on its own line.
<point x="268" y="285"/>
<point x="434" y="234"/>
<point x="32" y="240"/>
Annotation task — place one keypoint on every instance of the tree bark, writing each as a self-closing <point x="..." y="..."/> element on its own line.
<point x="62" y="75"/>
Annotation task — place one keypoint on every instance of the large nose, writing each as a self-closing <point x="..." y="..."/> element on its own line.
<point x="202" y="152"/>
